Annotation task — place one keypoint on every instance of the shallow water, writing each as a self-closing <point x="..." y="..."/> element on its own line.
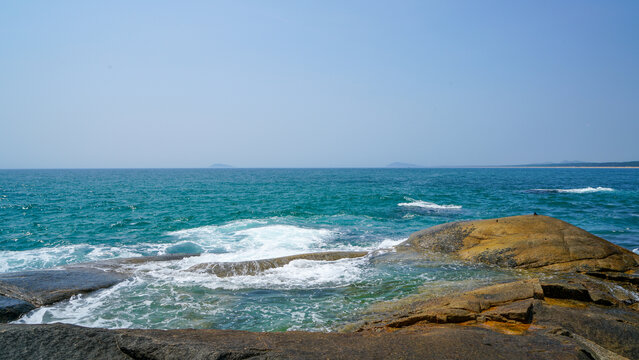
<point x="55" y="217"/>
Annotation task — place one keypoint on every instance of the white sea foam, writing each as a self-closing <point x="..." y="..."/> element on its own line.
<point x="576" y="191"/>
<point x="254" y="239"/>
<point x="165" y="287"/>
<point x="82" y="310"/>
<point x="48" y="257"/>
<point x="240" y="240"/>
<point x="389" y="243"/>
<point x="636" y="251"/>
<point x="428" y="205"/>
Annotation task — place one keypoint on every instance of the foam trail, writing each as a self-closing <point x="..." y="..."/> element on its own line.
<point x="428" y="205"/>
<point x="255" y="239"/>
<point x="158" y="298"/>
<point x="48" y="257"/>
<point x="575" y="191"/>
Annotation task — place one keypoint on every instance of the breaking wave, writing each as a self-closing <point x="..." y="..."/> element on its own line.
<point x="428" y="205"/>
<point x="574" y="191"/>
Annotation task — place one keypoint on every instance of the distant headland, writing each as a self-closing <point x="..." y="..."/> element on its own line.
<point x="221" y="166"/>
<point x="583" y="164"/>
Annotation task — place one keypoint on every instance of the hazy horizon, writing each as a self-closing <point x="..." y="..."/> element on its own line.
<point x="317" y="85"/>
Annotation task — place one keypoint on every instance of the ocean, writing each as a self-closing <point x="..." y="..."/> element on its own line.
<point x="50" y="218"/>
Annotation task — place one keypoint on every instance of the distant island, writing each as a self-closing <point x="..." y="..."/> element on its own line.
<point x="221" y="166"/>
<point x="401" y="165"/>
<point x="584" y="164"/>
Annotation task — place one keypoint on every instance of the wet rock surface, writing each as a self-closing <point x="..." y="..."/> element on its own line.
<point x="224" y="269"/>
<point x="11" y="309"/>
<point x="21" y="292"/>
<point x="45" y="287"/>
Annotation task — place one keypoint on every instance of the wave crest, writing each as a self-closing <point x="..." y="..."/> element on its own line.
<point x="574" y="191"/>
<point x="428" y="205"/>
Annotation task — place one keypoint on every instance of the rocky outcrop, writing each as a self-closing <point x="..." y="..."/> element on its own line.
<point x="579" y="299"/>
<point x="525" y="242"/>
<point x="444" y="342"/>
<point x="21" y="292"/>
<point x="597" y="314"/>
<point x="46" y="287"/>
<point x="223" y="269"/>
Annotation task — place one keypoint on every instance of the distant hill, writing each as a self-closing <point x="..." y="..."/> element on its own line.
<point x="585" y="164"/>
<point x="402" y="165"/>
<point x="221" y="166"/>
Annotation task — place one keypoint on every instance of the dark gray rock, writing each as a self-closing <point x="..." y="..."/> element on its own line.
<point x="615" y="329"/>
<point x="60" y="341"/>
<point x="45" y="287"/>
<point x="11" y="309"/>
<point x="57" y="341"/>
<point x="223" y="269"/>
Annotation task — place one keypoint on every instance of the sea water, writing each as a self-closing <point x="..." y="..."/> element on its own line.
<point x="50" y="218"/>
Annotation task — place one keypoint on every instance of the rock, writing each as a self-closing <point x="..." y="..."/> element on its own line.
<point x="11" y="309"/>
<point x="122" y="265"/>
<point x="584" y="308"/>
<point x="62" y="341"/>
<point x="565" y="289"/>
<point x="526" y="242"/>
<point x="43" y="287"/>
<point x="615" y="329"/>
<point x="223" y="269"/>
<point x="57" y="341"/>
<point x="28" y="289"/>
<point x="566" y="301"/>
<point x="509" y="301"/>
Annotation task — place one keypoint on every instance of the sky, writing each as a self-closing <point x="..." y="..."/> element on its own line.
<point x="120" y="84"/>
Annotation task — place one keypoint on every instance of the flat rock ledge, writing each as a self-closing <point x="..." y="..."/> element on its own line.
<point x="224" y="269"/>
<point x="579" y="300"/>
<point x="21" y="292"/>
<point x="60" y="341"/>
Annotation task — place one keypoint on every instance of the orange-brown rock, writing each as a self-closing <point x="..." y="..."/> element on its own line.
<point x="595" y="313"/>
<point x="526" y="242"/>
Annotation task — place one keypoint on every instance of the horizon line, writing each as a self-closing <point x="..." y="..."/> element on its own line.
<point x="334" y="167"/>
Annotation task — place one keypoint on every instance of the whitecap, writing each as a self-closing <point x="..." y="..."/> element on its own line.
<point x="389" y="243"/>
<point x="244" y="240"/>
<point x="428" y="205"/>
<point x="575" y="191"/>
<point x="47" y="257"/>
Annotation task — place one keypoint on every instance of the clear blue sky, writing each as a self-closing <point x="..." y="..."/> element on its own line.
<point x="317" y="84"/>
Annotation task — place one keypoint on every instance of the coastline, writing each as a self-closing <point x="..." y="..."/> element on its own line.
<point x="577" y="289"/>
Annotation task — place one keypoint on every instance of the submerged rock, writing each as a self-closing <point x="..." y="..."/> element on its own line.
<point x="526" y="242"/>
<point x="224" y="269"/>
<point x="123" y="265"/>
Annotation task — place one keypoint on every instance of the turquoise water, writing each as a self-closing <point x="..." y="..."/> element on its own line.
<point x="55" y="217"/>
